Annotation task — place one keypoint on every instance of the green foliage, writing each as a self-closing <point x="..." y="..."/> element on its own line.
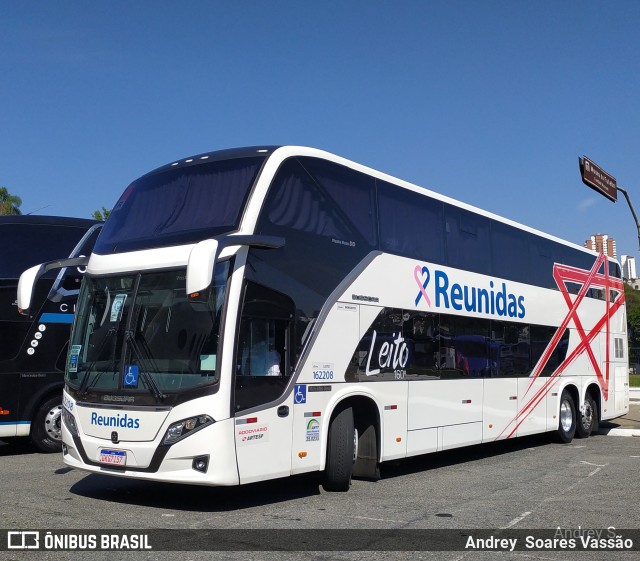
<point x="101" y="214"/>
<point x="632" y="298"/>
<point x="9" y="204"/>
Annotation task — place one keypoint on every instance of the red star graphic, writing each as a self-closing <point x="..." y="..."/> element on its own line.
<point x="596" y="278"/>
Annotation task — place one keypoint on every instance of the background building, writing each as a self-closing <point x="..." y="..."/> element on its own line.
<point x="629" y="267"/>
<point x="629" y="273"/>
<point x="602" y="243"/>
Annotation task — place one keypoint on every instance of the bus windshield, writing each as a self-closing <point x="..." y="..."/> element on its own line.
<point x="141" y="333"/>
<point x="180" y="205"/>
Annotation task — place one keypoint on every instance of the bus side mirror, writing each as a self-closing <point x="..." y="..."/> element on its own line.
<point x="30" y="277"/>
<point x="25" y="288"/>
<point x="202" y="258"/>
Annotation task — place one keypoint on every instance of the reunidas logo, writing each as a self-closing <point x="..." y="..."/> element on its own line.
<point x="491" y="299"/>
<point x="122" y="421"/>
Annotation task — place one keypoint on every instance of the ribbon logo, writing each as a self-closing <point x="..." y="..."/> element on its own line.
<point x="418" y="274"/>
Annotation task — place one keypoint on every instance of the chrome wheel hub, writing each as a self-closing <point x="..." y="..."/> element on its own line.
<point x="566" y="418"/>
<point x="52" y="423"/>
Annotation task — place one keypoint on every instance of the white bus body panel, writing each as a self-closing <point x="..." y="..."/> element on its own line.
<point x="312" y="419"/>
<point x="263" y="443"/>
<point x="131" y="426"/>
<point x="536" y="399"/>
<point x="8" y="430"/>
<point x="621" y="376"/>
<point x="533" y="405"/>
<point x="216" y="440"/>
<point x="499" y="408"/>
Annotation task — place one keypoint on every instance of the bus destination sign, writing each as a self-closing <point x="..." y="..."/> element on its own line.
<point x="598" y="179"/>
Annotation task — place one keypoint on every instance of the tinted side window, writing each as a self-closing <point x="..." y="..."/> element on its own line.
<point x="614" y="270"/>
<point x="400" y="344"/>
<point x="87" y="246"/>
<point x="510" y="349"/>
<point x="70" y="277"/>
<point x="349" y="191"/>
<point x="325" y="237"/>
<point x="541" y="336"/>
<point x="468" y="240"/>
<point x="263" y="357"/>
<point x="577" y="258"/>
<point x="510" y="252"/>
<point x="544" y="254"/>
<point x="464" y="347"/>
<point x="405" y="344"/>
<point x="326" y="206"/>
<point x="410" y="223"/>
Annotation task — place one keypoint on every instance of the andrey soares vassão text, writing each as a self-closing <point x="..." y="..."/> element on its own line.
<point x="563" y="539"/>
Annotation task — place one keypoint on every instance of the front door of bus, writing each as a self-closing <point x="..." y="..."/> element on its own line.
<point x="263" y="420"/>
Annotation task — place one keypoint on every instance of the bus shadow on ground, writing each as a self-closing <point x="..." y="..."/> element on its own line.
<point x="17" y="446"/>
<point x="456" y="456"/>
<point x="188" y="498"/>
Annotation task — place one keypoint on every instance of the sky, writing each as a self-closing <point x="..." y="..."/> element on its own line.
<point x="489" y="102"/>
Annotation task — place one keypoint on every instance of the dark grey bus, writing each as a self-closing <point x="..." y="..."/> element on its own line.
<point x="33" y="348"/>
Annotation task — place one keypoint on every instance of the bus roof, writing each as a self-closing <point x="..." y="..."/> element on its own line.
<point x="47" y="220"/>
<point x="217" y="155"/>
<point x="275" y="154"/>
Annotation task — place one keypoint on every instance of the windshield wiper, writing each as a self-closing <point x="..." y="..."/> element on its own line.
<point x="84" y="385"/>
<point x="146" y="377"/>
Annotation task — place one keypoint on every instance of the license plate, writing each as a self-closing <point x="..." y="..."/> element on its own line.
<point x="113" y="457"/>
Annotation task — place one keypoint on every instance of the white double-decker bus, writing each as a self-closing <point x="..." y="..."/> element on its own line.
<point x="256" y="313"/>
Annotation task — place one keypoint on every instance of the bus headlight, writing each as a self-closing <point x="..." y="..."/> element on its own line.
<point x="70" y="422"/>
<point x="182" y="429"/>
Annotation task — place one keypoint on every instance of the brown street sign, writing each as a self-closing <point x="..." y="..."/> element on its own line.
<point x="598" y="179"/>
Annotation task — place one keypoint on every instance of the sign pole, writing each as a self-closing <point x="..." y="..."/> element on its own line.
<point x="633" y="212"/>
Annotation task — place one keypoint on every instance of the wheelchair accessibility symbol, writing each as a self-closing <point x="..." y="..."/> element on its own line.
<point x="299" y="394"/>
<point x="131" y="377"/>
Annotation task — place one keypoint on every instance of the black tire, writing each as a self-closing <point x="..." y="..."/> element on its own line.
<point x="566" y="418"/>
<point x="588" y="421"/>
<point x="340" y="452"/>
<point x="46" y="427"/>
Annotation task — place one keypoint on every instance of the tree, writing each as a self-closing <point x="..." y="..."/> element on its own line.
<point x="101" y="214"/>
<point x="632" y="298"/>
<point x="9" y="204"/>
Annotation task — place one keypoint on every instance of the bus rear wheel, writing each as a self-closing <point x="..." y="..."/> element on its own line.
<point x="46" y="433"/>
<point x="567" y="418"/>
<point x="588" y="421"/>
<point x="341" y="450"/>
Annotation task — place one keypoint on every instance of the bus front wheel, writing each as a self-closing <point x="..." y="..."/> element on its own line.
<point x="46" y="432"/>
<point x="341" y="449"/>
<point x="567" y="418"/>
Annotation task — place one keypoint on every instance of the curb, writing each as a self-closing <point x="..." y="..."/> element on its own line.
<point x="619" y="432"/>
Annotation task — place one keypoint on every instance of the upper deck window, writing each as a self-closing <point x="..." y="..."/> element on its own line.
<point x="411" y="224"/>
<point x="180" y="205"/>
<point x="311" y="196"/>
